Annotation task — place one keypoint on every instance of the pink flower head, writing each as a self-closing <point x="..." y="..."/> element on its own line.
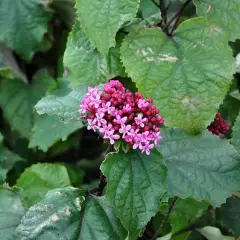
<point x="117" y="113"/>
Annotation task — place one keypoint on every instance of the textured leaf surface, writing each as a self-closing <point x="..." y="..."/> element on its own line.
<point x="17" y="100"/>
<point x="224" y="12"/>
<point x="85" y="65"/>
<point x="181" y="73"/>
<point x="11" y="212"/>
<point x="236" y="134"/>
<point x="37" y="180"/>
<point x="64" y="103"/>
<point x="204" y="167"/>
<point x="229" y="215"/>
<point x="110" y="15"/>
<point x="106" y="224"/>
<point x="56" y="217"/>
<point x="48" y="130"/>
<point x="136" y="182"/>
<point x="185" y="212"/>
<point x="22" y="25"/>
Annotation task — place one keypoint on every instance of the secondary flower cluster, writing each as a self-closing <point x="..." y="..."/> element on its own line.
<point x="219" y="126"/>
<point x="117" y="113"/>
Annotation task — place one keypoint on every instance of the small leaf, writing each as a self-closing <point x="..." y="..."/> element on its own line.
<point x="213" y="233"/>
<point x="48" y="130"/>
<point x="56" y="217"/>
<point x="214" y="9"/>
<point x="203" y="167"/>
<point x="37" y="180"/>
<point x="85" y="65"/>
<point x="110" y="15"/>
<point x="136" y="183"/>
<point x="106" y="224"/>
<point x="64" y="102"/>
<point x="17" y="100"/>
<point x="229" y="215"/>
<point x="11" y="212"/>
<point x="22" y="25"/>
<point x="180" y="73"/>
<point x="185" y="212"/>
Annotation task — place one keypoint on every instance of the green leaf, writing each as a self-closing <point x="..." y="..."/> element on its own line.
<point x="106" y="224"/>
<point x="85" y="65"/>
<point x="64" y="102"/>
<point x="7" y="161"/>
<point x="229" y="215"/>
<point x="236" y="134"/>
<point x="148" y="8"/>
<point x="56" y="217"/>
<point x="203" y="167"/>
<point x="136" y="183"/>
<point x="110" y="15"/>
<point x="8" y="65"/>
<point x="11" y="212"/>
<point x="48" y="130"/>
<point x="180" y="73"/>
<point x="37" y="180"/>
<point x="17" y="100"/>
<point x="185" y="212"/>
<point x="213" y="233"/>
<point x="22" y="25"/>
<point x="223" y="12"/>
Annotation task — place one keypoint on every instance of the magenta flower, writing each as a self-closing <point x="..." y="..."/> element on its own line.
<point x="124" y="129"/>
<point x="147" y="147"/>
<point x="120" y="120"/>
<point x="139" y="120"/>
<point x="142" y="103"/>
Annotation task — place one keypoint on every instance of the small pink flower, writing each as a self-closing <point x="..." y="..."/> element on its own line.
<point x="139" y="120"/>
<point x="92" y="125"/>
<point x="124" y="129"/>
<point x="142" y="103"/>
<point x="100" y="121"/>
<point x="120" y="120"/>
<point x="147" y="147"/>
<point x="157" y="138"/>
<point x="138" y="140"/>
<point x="127" y="108"/>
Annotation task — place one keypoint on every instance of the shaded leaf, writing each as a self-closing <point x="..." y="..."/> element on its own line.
<point x="38" y="179"/>
<point x="236" y="134"/>
<point x="136" y="183"/>
<point x="213" y="233"/>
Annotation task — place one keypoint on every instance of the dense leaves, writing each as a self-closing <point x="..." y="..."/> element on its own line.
<point x="58" y="214"/>
<point x="173" y="71"/>
<point x="204" y="167"/>
<point x="135" y="179"/>
<point x="22" y="25"/>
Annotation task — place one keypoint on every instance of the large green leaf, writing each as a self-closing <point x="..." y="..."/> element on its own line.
<point x="136" y="183"/>
<point x="48" y="130"/>
<point x="236" y="134"/>
<point x="85" y="65"/>
<point x="185" y="212"/>
<point x="11" y="212"/>
<point x="224" y="12"/>
<point x="101" y="19"/>
<point x="148" y="8"/>
<point x="180" y="73"/>
<point x="229" y="215"/>
<point x="22" y="25"/>
<point x="204" y="167"/>
<point x="17" y="100"/>
<point x="64" y="102"/>
<point x="56" y="217"/>
<point x="37" y="180"/>
<point x="100" y="222"/>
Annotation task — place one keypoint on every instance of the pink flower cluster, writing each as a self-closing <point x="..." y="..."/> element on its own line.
<point x="117" y="113"/>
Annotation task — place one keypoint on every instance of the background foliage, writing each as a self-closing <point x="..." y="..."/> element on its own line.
<point x="184" y="54"/>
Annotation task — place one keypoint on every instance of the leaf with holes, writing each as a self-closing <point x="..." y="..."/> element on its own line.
<point x="110" y="15"/>
<point x="224" y="12"/>
<point x="181" y="72"/>
<point x="106" y="224"/>
<point x="37" y="180"/>
<point x="136" y="183"/>
<point x="64" y="102"/>
<point x="22" y="25"/>
<point x="56" y="217"/>
<point x="81" y="56"/>
<point x="11" y="212"/>
<point x="203" y="167"/>
<point x="48" y="130"/>
<point x="17" y="100"/>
